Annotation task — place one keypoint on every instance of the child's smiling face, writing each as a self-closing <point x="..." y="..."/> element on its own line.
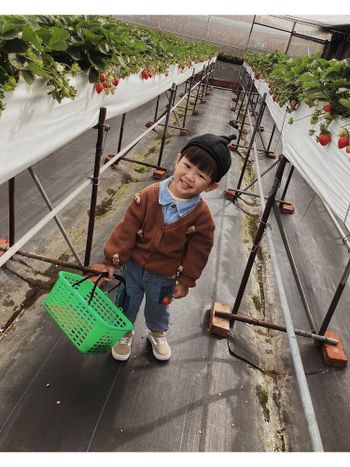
<point x="189" y="180"/>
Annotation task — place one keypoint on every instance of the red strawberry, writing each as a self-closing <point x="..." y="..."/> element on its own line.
<point x="343" y="141"/>
<point x="324" y="139"/>
<point x="115" y="81"/>
<point x="106" y="85"/>
<point x="102" y="77"/>
<point x="99" y="88"/>
<point x="328" y="107"/>
<point x="144" y="74"/>
<point x="166" y="300"/>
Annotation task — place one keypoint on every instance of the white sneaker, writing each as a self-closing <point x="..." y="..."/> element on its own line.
<point x="160" y="346"/>
<point x="122" y="349"/>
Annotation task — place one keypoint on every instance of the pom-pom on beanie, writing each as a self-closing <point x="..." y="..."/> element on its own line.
<point x="216" y="147"/>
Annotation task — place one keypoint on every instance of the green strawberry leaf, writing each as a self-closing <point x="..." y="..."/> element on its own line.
<point x="93" y="75"/>
<point x="58" y="39"/>
<point x="28" y="76"/>
<point x="345" y="102"/>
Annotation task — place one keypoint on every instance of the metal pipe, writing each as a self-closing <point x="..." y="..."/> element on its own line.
<point x="246" y="110"/>
<point x="249" y="193"/>
<point x="156" y="111"/>
<point x="271" y="138"/>
<point x="173" y="87"/>
<point x="276" y="327"/>
<point x="147" y="164"/>
<point x="121" y="131"/>
<point x="242" y="90"/>
<point x="252" y="139"/>
<point x="198" y="90"/>
<point x="260" y="232"/>
<point x="294" y="269"/>
<point x="344" y="237"/>
<point x="264" y="173"/>
<point x="335" y="300"/>
<point x="288" y="181"/>
<point x="238" y="89"/>
<point x="12" y="226"/>
<point x="290" y="38"/>
<point x="56" y="218"/>
<point x="101" y="128"/>
<point x="57" y="262"/>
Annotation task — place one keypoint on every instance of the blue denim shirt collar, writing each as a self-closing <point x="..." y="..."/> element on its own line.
<point x="165" y="198"/>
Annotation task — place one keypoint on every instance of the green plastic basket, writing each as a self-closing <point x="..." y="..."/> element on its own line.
<point x="92" y="327"/>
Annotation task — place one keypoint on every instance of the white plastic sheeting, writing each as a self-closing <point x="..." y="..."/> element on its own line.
<point x="34" y="125"/>
<point x="325" y="168"/>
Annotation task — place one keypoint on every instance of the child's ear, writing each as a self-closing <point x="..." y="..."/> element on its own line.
<point x="211" y="187"/>
<point x="178" y="157"/>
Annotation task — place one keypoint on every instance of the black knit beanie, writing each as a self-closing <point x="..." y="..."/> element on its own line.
<point x="216" y="147"/>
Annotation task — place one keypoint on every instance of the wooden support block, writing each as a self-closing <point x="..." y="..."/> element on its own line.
<point x="286" y="208"/>
<point x="270" y="155"/>
<point x="219" y="325"/>
<point x="194" y="112"/>
<point x="203" y="101"/>
<point x="185" y="132"/>
<point x="233" y="147"/>
<point x="230" y="194"/>
<point x="261" y="128"/>
<point x="159" y="174"/>
<point x="334" y="354"/>
<point x="4" y="243"/>
<point x="108" y="158"/>
<point x="148" y="124"/>
<point x="234" y="124"/>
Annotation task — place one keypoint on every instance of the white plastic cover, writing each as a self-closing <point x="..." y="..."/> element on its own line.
<point x="325" y="168"/>
<point x="34" y="125"/>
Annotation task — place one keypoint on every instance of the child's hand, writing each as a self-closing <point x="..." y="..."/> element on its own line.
<point x="102" y="268"/>
<point x="180" y="291"/>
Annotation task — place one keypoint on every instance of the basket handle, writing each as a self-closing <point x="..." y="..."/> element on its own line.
<point x="100" y="276"/>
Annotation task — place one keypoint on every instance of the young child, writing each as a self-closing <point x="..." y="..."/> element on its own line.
<point x="163" y="241"/>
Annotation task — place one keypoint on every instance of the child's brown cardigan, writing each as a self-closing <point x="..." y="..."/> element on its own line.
<point x="179" y="249"/>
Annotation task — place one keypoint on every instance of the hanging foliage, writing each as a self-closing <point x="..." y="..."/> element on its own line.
<point x="57" y="47"/>
<point x="323" y="85"/>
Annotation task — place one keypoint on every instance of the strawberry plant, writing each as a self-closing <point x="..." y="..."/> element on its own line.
<point x="313" y="80"/>
<point x="56" y="47"/>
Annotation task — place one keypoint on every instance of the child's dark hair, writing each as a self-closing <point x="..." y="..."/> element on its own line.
<point x="201" y="159"/>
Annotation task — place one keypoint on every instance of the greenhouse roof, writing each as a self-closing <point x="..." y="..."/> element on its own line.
<point x="328" y="21"/>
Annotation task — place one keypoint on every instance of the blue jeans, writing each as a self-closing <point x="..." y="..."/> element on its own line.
<point x="140" y="282"/>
